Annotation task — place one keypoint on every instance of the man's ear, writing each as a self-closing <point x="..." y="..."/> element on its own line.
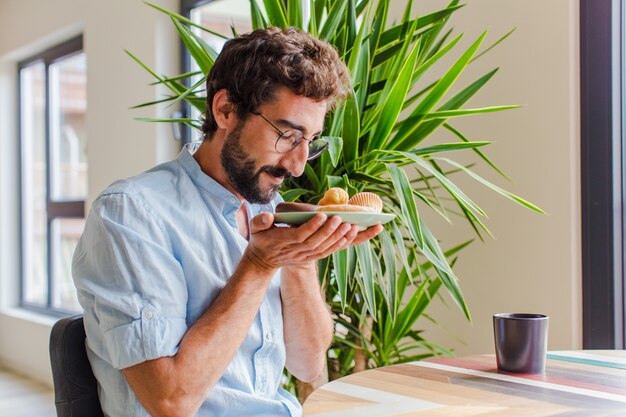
<point x="224" y="111"/>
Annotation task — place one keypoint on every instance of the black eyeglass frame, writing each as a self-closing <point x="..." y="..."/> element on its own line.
<point x="296" y="142"/>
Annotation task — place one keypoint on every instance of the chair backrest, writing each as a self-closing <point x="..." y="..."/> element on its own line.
<point x="75" y="387"/>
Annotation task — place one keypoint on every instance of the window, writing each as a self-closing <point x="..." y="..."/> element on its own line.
<point x="219" y="16"/>
<point x="603" y="172"/>
<point x="53" y="156"/>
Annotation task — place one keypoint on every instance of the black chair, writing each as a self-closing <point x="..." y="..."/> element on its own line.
<point x="75" y="387"/>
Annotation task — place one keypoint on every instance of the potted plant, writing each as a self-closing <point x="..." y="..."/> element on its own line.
<point x="379" y="143"/>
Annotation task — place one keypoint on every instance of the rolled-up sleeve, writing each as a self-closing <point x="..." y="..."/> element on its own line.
<point x="129" y="282"/>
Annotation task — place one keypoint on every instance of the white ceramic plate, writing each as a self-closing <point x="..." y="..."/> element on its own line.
<point x="363" y="220"/>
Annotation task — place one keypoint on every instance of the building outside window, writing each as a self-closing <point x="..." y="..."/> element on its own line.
<point x="53" y="173"/>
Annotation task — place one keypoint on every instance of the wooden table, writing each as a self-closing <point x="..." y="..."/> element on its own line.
<point x="576" y="383"/>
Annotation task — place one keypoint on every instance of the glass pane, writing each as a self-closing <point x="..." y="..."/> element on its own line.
<point x="64" y="235"/>
<point x="33" y="154"/>
<point x="219" y="16"/>
<point x="68" y="140"/>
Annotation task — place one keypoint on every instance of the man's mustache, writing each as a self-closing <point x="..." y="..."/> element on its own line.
<point x="277" y="171"/>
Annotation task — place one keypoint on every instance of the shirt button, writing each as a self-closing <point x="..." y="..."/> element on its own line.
<point x="268" y="337"/>
<point x="233" y="200"/>
<point x="148" y="314"/>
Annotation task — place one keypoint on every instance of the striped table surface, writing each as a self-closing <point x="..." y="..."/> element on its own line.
<point x="576" y="383"/>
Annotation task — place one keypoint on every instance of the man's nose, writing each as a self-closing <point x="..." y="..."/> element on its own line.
<point x="295" y="160"/>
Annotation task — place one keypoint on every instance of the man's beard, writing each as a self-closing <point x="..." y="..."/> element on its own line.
<point x="240" y="170"/>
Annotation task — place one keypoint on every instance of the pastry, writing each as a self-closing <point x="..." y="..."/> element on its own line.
<point x="346" y="208"/>
<point x="334" y="195"/>
<point x="367" y="199"/>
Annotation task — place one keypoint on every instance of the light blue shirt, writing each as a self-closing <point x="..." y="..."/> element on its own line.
<point x="156" y="251"/>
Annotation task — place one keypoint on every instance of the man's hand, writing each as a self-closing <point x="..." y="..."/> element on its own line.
<point x="366" y="235"/>
<point x="272" y="247"/>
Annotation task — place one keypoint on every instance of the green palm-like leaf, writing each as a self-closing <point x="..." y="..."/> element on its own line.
<point x="258" y="20"/>
<point x="446" y="114"/>
<point x="437" y="92"/>
<point x="333" y="20"/>
<point x="152" y="103"/>
<point x="183" y="19"/>
<point x="364" y="277"/>
<point x="351" y="129"/>
<point x="448" y="147"/>
<point x="455" y="102"/>
<point x="189" y="92"/>
<point x="294" y="194"/>
<point x="378" y="24"/>
<point x="294" y="13"/>
<point x="276" y="15"/>
<point x="495" y="188"/>
<point x="335" y="146"/>
<point x="312" y="19"/>
<point x="478" y="152"/>
<point x="395" y="32"/>
<point x="200" y="55"/>
<point x="393" y="103"/>
<point x="407" y="203"/>
<point x="390" y="289"/>
<point x="185" y="76"/>
<point x="176" y="87"/>
<point x="341" y="264"/>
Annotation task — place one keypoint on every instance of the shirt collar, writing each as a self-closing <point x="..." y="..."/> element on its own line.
<point x="202" y="180"/>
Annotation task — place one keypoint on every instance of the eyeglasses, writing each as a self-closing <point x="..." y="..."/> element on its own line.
<point x="289" y="140"/>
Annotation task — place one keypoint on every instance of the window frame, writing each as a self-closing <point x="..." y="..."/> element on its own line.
<point x="187" y="5"/>
<point x="602" y="173"/>
<point x="185" y="63"/>
<point x="72" y="209"/>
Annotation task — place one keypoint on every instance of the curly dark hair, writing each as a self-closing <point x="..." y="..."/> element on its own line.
<point x="253" y="66"/>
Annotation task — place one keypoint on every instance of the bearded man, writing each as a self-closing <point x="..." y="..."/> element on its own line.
<point x="194" y="302"/>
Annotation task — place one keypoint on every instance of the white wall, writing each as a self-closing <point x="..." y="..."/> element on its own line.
<point x="117" y="145"/>
<point x="533" y="264"/>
